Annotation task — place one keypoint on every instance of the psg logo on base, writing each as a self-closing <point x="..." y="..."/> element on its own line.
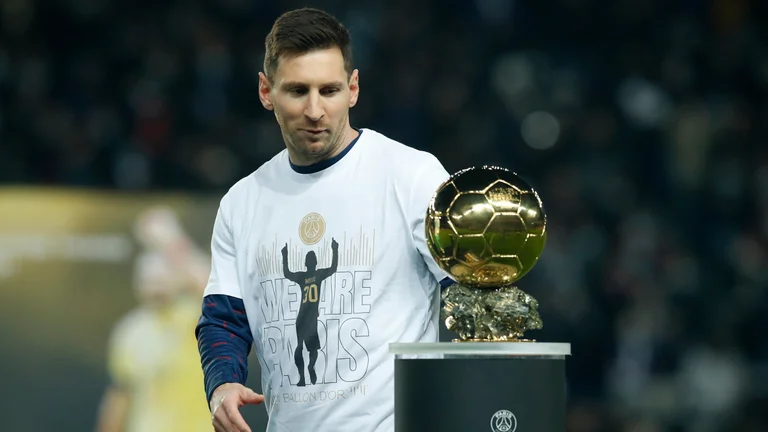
<point x="503" y="421"/>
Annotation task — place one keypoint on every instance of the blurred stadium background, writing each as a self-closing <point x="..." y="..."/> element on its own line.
<point x="641" y="122"/>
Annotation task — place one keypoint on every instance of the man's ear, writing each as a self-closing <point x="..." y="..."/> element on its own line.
<point x="265" y="91"/>
<point x="354" y="88"/>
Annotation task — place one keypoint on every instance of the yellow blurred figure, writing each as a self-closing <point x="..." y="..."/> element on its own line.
<point x="157" y="382"/>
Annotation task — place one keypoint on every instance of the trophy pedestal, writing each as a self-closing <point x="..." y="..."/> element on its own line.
<point x="480" y="386"/>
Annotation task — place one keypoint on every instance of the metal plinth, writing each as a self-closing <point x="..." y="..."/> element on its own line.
<point x="480" y="386"/>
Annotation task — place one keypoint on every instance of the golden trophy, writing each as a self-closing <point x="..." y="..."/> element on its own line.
<point x="487" y="228"/>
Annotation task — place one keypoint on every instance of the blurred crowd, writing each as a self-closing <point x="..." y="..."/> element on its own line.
<point x="639" y="121"/>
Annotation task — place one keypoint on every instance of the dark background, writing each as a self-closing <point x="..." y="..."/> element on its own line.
<point x="642" y="123"/>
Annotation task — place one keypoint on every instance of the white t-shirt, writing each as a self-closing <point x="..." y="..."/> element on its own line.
<point x="372" y="201"/>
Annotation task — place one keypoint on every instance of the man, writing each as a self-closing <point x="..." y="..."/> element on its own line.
<point x="151" y="356"/>
<point x="306" y="322"/>
<point x="331" y="182"/>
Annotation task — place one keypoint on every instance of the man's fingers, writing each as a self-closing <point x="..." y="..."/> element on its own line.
<point x="251" y="397"/>
<point x="221" y="423"/>
<point x="234" y="416"/>
<point x="225" y="407"/>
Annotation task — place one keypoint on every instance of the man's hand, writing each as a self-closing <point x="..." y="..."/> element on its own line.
<point x="225" y="407"/>
<point x="285" y="250"/>
<point x="334" y="244"/>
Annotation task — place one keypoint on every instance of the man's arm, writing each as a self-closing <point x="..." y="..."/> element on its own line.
<point x="427" y="180"/>
<point x="113" y="410"/>
<point x="224" y="340"/>
<point x="223" y="332"/>
<point x="123" y="372"/>
<point x="335" y="260"/>
<point x="287" y="273"/>
<point x="326" y="272"/>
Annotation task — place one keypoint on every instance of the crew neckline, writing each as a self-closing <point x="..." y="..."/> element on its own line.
<point x="325" y="164"/>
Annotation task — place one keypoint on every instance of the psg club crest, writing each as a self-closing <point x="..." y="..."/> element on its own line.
<point x="503" y="421"/>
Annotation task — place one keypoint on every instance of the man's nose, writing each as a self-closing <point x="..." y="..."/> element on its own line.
<point x="314" y="110"/>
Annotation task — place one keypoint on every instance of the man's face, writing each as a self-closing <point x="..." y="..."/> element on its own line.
<point x="311" y="95"/>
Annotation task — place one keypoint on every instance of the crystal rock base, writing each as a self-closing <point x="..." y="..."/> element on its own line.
<point x="482" y="315"/>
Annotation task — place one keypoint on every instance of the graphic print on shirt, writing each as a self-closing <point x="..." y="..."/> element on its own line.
<point x="315" y="296"/>
<point x="306" y="323"/>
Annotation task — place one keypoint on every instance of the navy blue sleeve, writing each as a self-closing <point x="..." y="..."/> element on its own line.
<point x="446" y="282"/>
<point x="224" y="340"/>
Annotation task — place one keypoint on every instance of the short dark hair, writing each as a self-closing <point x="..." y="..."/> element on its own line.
<point x="304" y="30"/>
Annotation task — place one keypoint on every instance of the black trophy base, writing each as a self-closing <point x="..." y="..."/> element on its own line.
<point x="523" y="394"/>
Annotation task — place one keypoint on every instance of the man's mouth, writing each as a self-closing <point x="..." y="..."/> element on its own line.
<point x="313" y="131"/>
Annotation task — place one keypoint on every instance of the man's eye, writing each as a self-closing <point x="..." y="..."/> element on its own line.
<point x="330" y="91"/>
<point x="298" y="91"/>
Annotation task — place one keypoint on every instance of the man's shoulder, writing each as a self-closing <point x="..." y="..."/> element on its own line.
<point x="403" y="158"/>
<point x="381" y="142"/>
<point x="131" y="327"/>
<point x="249" y="185"/>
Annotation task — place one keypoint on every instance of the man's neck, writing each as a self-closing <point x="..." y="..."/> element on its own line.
<point x="346" y="139"/>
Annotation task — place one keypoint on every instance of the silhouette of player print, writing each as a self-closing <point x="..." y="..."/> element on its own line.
<point x="306" y="322"/>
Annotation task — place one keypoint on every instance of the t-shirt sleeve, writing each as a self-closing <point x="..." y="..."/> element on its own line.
<point x="426" y="181"/>
<point x="223" y="278"/>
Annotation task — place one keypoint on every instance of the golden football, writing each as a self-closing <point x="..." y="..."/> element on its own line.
<point x="486" y="227"/>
